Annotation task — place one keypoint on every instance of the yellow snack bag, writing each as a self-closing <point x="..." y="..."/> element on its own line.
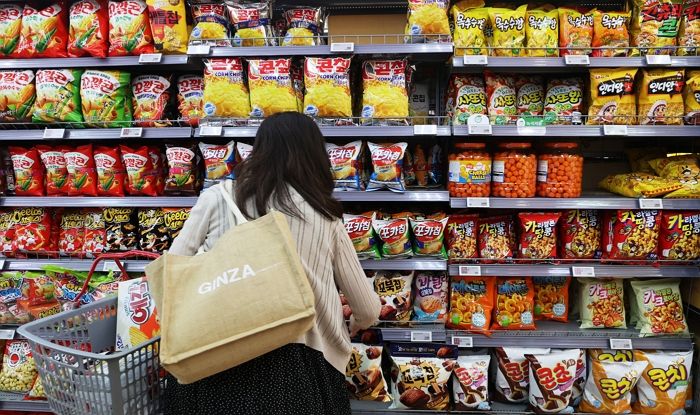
<point x="542" y="33"/>
<point x="168" y="25"/>
<point x="690" y="189"/>
<point x="508" y="31"/>
<point x="426" y="20"/>
<point x="327" y="82"/>
<point x="270" y="84"/>
<point x="17" y="95"/>
<point x="676" y="167"/>
<point x="470" y="22"/>
<point x="655" y="26"/>
<point x="689" y="31"/>
<point x="225" y="91"/>
<point x="691" y="98"/>
<point x="660" y="100"/>
<point x="210" y="24"/>
<point x="384" y="92"/>
<point x="612" y="96"/>
<point x="639" y="185"/>
<point x="610" y="33"/>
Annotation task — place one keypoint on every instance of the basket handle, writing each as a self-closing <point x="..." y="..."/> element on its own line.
<point x="116" y="257"/>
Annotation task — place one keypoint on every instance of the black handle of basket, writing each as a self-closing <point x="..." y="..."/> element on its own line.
<point x="116" y="257"/>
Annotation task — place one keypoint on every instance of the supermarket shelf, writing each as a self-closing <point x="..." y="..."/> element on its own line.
<point x="370" y="408"/>
<point x="655" y="131"/>
<point x="25" y="406"/>
<point x="422" y="51"/>
<point x="413" y="331"/>
<point x="166" y="201"/>
<point x="405" y="264"/>
<point x="543" y="64"/>
<point x="120" y="61"/>
<point x="338" y="131"/>
<point x="12" y="264"/>
<point x="590" y="200"/>
<point x="96" y="133"/>
<point x="388" y="196"/>
<point x="566" y="270"/>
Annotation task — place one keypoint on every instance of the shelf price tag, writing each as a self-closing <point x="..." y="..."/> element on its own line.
<point x="615" y="130"/>
<point x="54" y="133"/>
<point x="131" y="132"/>
<point x="478" y="202"/>
<point x="340" y="47"/>
<point x="475" y="60"/>
<point x="478" y="124"/>
<point x="658" y="60"/>
<point x="469" y="271"/>
<point x="198" y="49"/>
<point x="150" y="58"/>
<point x="7" y="334"/>
<point x="532" y="131"/>
<point x="583" y="271"/>
<point x="463" y="341"/>
<point x="110" y="266"/>
<point x="425" y="130"/>
<point x="2" y="264"/>
<point x="577" y="60"/>
<point x="210" y="131"/>
<point x="422" y="336"/>
<point x="621" y="344"/>
<point x="651" y="204"/>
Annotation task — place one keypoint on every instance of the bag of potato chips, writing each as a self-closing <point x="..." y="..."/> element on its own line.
<point x="429" y="236"/>
<point x="89" y="29"/>
<point x="57" y="96"/>
<point x="564" y="98"/>
<point x="17" y="95"/>
<point x="470" y="20"/>
<point x="508" y="31"/>
<point x="18" y="367"/>
<point x="612" y="96"/>
<point x="252" y="24"/>
<point x="327" y="82"/>
<point x="345" y="165"/>
<point x="660" y="100"/>
<point x="169" y="25"/>
<point x="384" y="92"/>
<point x="225" y="91"/>
<point x="10" y="28"/>
<point x="104" y="96"/>
<point x="271" y="89"/>
<point x="426" y="20"/>
<point x="542" y="32"/>
<point x="502" y="98"/>
<point x="610" y="34"/>
<point x="655" y="26"/>
<point x="190" y="98"/>
<point x="689" y="31"/>
<point x="387" y="166"/>
<point x="691" y="98"/>
<point x="303" y="26"/>
<point x="575" y="31"/>
<point x="552" y="378"/>
<point x="679" y="236"/>
<point x="44" y="33"/>
<point x="676" y="167"/>
<point x="639" y="185"/>
<point x="210" y="24"/>
<point x="129" y="28"/>
<point x="361" y="233"/>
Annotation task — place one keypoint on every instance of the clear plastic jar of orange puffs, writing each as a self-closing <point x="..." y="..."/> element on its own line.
<point x="559" y="170"/>
<point x="470" y="171"/>
<point x="514" y="170"/>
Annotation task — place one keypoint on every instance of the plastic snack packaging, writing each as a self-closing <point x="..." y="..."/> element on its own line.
<point x="430" y="303"/>
<point x="210" y="23"/>
<point x="7" y="234"/>
<point x="37" y="391"/>
<point x="33" y="230"/>
<point x="612" y="98"/>
<point x="54" y="161"/>
<point x="82" y="174"/>
<point x="18" y="367"/>
<point x="635" y="235"/>
<point x="470" y="19"/>
<point x="182" y="169"/>
<point x="664" y="382"/>
<point x="508" y="31"/>
<point x="104" y="97"/>
<point x="421" y="375"/>
<point x="689" y="31"/>
<point x="394" y="235"/>
<point x="384" y="93"/>
<point x="639" y="185"/>
<point x="95" y="232"/>
<point x="168" y="25"/>
<point x="57" y="96"/>
<point x="44" y="33"/>
<point x="660" y="307"/>
<point x="387" y="166"/>
<point x="655" y="25"/>
<point x="512" y="371"/>
<point x="225" y="91"/>
<point x="564" y="98"/>
<point x="580" y="379"/>
<point x="530" y="95"/>
<point x="88" y="29"/>
<point x="502" y="98"/>
<point x="160" y="168"/>
<point x="140" y="172"/>
<point x="327" y="82"/>
<point x="610" y="33"/>
<point x="602" y="303"/>
<point x="363" y="375"/>
<point x="470" y="385"/>
<point x="679" y="236"/>
<point x="345" y="165"/>
<point x="427" y="19"/>
<point x="110" y="171"/>
<point x="359" y="228"/>
<point x="542" y="32"/>
<point x="552" y="377"/>
<point x="297" y="73"/>
<point x="461" y="237"/>
<point x="676" y="167"/>
<point x="304" y="25"/>
<point x="271" y="89"/>
<point x="575" y="31"/>
<point x="429" y="236"/>
<point x="551" y="298"/>
<point x="580" y="232"/>
<point x="121" y="225"/>
<point x="471" y="303"/>
<point x="538" y="235"/>
<point x="468" y="97"/>
<point x="610" y="385"/>
<point x="129" y="28"/>
<point x="219" y="160"/>
<point x="28" y="171"/>
<point x="243" y="151"/>
<point x="496" y="239"/>
<point x="252" y="23"/>
<point x="10" y="28"/>
<point x="514" y="304"/>
<point x="17" y="95"/>
<point x="190" y="98"/>
<point x="175" y="219"/>
<point x="153" y="234"/>
<point x="137" y="319"/>
<point x="72" y="236"/>
<point x="151" y="99"/>
<point x="394" y="290"/>
<point x="660" y="98"/>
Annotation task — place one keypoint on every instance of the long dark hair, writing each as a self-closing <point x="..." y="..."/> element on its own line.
<point x="290" y="150"/>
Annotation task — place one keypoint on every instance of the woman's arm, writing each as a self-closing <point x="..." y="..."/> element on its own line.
<point x="196" y="227"/>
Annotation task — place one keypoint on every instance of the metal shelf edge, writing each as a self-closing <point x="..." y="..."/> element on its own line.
<point x="405" y="264"/>
<point x="28" y="406"/>
<point x="114" y="61"/>
<point x="610" y="201"/>
<point x="555" y="63"/>
<point x="95" y="133"/>
<point x="586" y="131"/>
<point x="61" y="201"/>
<point x="388" y="196"/>
<point x="601" y="271"/>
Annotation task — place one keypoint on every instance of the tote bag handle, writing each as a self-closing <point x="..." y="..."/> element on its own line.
<point x="226" y="190"/>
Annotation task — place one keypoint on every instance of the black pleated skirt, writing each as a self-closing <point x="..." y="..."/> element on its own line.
<point x="294" y="379"/>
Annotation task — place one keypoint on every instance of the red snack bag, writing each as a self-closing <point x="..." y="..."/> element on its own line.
<point x="32" y="228"/>
<point x="7" y="232"/>
<point x="110" y="171"/>
<point x="36" y="289"/>
<point x="496" y="239"/>
<point x="580" y="234"/>
<point x="636" y="234"/>
<point x="461" y="237"/>
<point x="150" y="97"/>
<point x="538" y="235"/>
<point x="54" y="161"/>
<point x="10" y="27"/>
<point x="95" y="232"/>
<point x="182" y="169"/>
<point x="139" y="171"/>
<point x="88" y="29"/>
<point x="72" y="233"/>
<point x="609" y="219"/>
<point x="44" y="33"/>
<point x="81" y="171"/>
<point x="159" y="168"/>
<point x="679" y="237"/>
<point x="129" y="28"/>
<point x="29" y="173"/>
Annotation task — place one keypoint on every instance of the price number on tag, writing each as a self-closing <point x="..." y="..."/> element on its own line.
<point x="425" y="130"/>
<point x="422" y="336"/>
<point x="131" y="132"/>
<point x="615" y="130"/>
<point x="198" y="49"/>
<point x="621" y="344"/>
<point x="150" y="58"/>
<point x="469" y="271"/>
<point x="475" y="60"/>
<point x="480" y="130"/>
<point x="651" y="204"/>
<point x="658" y="60"/>
<point x="463" y="341"/>
<point x="110" y="266"/>
<point x="210" y="131"/>
<point x="583" y="271"/>
<point x="478" y="202"/>
<point x="577" y="60"/>
<point x="340" y="47"/>
<point x="54" y="133"/>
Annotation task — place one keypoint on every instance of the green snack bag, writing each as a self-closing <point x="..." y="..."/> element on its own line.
<point x="360" y="231"/>
<point x="429" y="237"/>
<point x="105" y="98"/>
<point x="602" y="304"/>
<point x="660" y="307"/>
<point x="57" y="96"/>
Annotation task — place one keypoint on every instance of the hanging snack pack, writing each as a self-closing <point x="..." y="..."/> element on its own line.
<point x="580" y="232"/>
<point x="429" y="236"/>
<point x="664" y="382"/>
<point x="225" y="92"/>
<point x="387" y="166"/>
<point x="471" y="303"/>
<point x="219" y="160"/>
<point x="182" y="170"/>
<point x="496" y="239"/>
<point x="660" y="307"/>
<point x="111" y="174"/>
<point x="427" y="20"/>
<point x="252" y="23"/>
<point x="88" y="29"/>
<point x="542" y="32"/>
<point x="17" y="95"/>
<point x="169" y="25"/>
<point x="508" y="31"/>
<point x="575" y="31"/>
<point x="137" y="319"/>
<point x="121" y="227"/>
<point x="271" y="89"/>
<point x="384" y="93"/>
<point x="610" y="386"/>
<point x="679" y="236"/>
<point x="689" y="31"/>
<point x="502" y="98"/>
<point x="361" y="233"/>
<point x="151" y="98"/>
<point x="421" y="375"/>
<point x="72" y="234"/>
<point x="82" y="174"/>
<point x="655" y="25"/>
<point x="28" y="171"/>
<point x="18" y="367"/>
<point x="54" y="161"/>
<point x="363" y="375"/>
<point x="612" y="98"/>
<point x="394" y="235"/>
<point x="190" y="98"/>
<point x="304" y="25"/>
<point x="551" y="380"/>
<point x="660" y="98"/>
<point x="530" y="95"/>
<point x="10" y="27"/>
<point x="564" y="99"/>
<point x="602" y="303"/>
<point x="210" y="24"/>
<point x="461" y="237"/>
<point x="104" y="97"/>
<point x="470" y="385"/>
<point x="57" y="96"/>
<point x="345" y="165"/>
<point x="394" y="289"/>
<point x="635" y="235"/>
<point x="513" y="372"/>
<point x="470" y="23"/>
<point x="44" y="33"/>
<point x="538" y="235"/>
<point x="140" y="172"/>
<point x="327" y="82"/>
<point x="515" y="303"/>
<point x="153" y="234"/>
<point x="551" y="298"/>
<point x="469" y="98"/>
<point x="610" y="33"/>
<point x="430" y="303"/>
<point x="129" y="28"/>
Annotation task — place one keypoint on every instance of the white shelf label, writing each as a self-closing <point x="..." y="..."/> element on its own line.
<point x="422" y="336"/>
<point x="210" y="131"/>
<point x="463" y="341"/>
<point x="469" y="271"/>
<point x="478" y="202"/>
<point x="583" y="271"/>
<point x="621" y="344"/>
<point x="131" y="132"/>
<point x="658" y="60"/>
<point x="109" y="266"/>
<point x="198" y="49"/>
<point x="582" y="60"/>
<point x="150" y="58"/>
<point x="7" y="334"/>
<point x="480" y="130"/>
<point x="54" y="133"/>
<point x="425" y="130"/>
<point x="339" y="47"/>
<point x="651" y="204"/>
<point x="479" y="60"/>
<point x="2" y="264"/>
<point x="532" y="131"/>
<point x="615" y="130"/>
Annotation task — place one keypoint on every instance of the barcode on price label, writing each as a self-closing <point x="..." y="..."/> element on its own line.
<point x="425" y="130"/>
<point x="651" y="204"/>
<point x="150" y="58"/>
<point x="469" y="270"/>
<point x="422" y="336"/>
<point x="583" y="271"/>
<point x="131" y="132"/>
<point x="210" y="131"/>
<point x="479" y="60"/>
<point x="621" y="344"/>
<point x="110" y="266"/>
<point x="463" y="341"/>
<point x="54" y="133"/>
<point x="339" y="47"/>
<point x="478" y="202"/>
<point x="577" y="60"/>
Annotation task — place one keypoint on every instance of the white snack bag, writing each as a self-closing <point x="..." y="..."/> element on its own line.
<point x="552" y="379"/>
<point x="512" y="370"/>
<point x="137" y="320"/>
<point x="664" y="382"/>
<point x="470" y="385"/>
<point x="609" y="386"/>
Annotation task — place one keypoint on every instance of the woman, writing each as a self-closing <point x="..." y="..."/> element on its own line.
<point x="288" y="170"/>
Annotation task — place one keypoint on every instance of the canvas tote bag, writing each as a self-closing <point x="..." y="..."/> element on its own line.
<point x="247" y="296"/>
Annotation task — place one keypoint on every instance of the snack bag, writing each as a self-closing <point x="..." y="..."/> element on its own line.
<point x="469" y="28"/>
<point x="363" y="375"/>
<point x="542" y="32"/>
<point x="636" y="234"/>
<point x="7" y="233"/>
<point x="676" y="167"/>
<point x="304" y="24"/>
<point x="95" y="232"/>
<point x="271" y="89"/>
<point x="530" y="95"/>
<point x="210" y="24"/>
<point x="580" y="379"/>
<point x="57" y="96"/>
<point x="44" y="33"/>
<point x="610" y="34"/>
<point x="602" y="303"/>
<point x="57" y="183"/>
<point x="461" y="237"/>
<point x="251" y="22"/>
<point x="169" y="25"/>
<point x="140" y="172"/>
<point x="513" y="372"/>
<point x="225" y="91"/>
<point x="470" y="383"/>
<point x="137" y="319"/>
<point x="129" y="28"/>
<point x="393" y="233"/>
<point x="610" y="385"/>
<point x="219" y="161"/>
<point x="575" y="31"/>
<point x="327" y="82"/>
<point x="37" y="391"/>
<point x="508" y="31"/>
<point x="469" y="98"/>
<point x="190" y="98"/>
<point x="153" y="235"/>
<point x="345" y="165"/>
<point x="88" y="29"/>
<point x="160" y="168"/>
<point x="36" y="288"/>
<point x="471" y="303"/>
<point x="689" y="30"/>
<point x="664" y="382"/>
<point x="359" y="228"/>
<point x="660" y="100"/>
<point x="387" y="167"/>
<point x="18" y="367"/>
<point x="580" y="233"/>
<point x="502" y="98"/>
<point x="394" y="289"/>
<point x="174" y="219"/>
<point x="150" y="95"/>
<point x="419" y="378"/>
<point x="639" y="185"/>
<point x="612" y="96"/>
<point x="427" y="19"/>
<point x="72" y="234"/>
<point x="538" y="235"/>
<point x="17" y="94"/>
<point x="551" y="380"/>
<point x="243" y="151"/>
<point x="429" y="236"/>
<point x="121" y="225"/>
<point x="104" y="98"/>
<point x="430" y="303"/>
<point x="34" y="230"/>
<point x="384" y="93"/>
<point x="679" y="236"/>
<point x="10" y="27"/>
<point x="660" y="307"/>
<point x="82" y="174"/>
<point x="514" y="304"/>
<point x="655" y="25"/>
<point x="564" y="98"/>
<point x="110" y="171"/>
<point x="28" y="171"/>
<point x="551" y="298"/>
<point x="182" y="169"/>
<point x="496" y="239"/>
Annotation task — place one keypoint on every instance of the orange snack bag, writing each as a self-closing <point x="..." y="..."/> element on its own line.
<point x="552" y="298"/>
<point x="89" y="29"/>
<point x="129" y="28"/>
<point x="471" y="303"/>
<point x="575" y="31"/>
<point x="44" y="33"/>
<point x="515" y="303"/>
<point x="610" y="33"/>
